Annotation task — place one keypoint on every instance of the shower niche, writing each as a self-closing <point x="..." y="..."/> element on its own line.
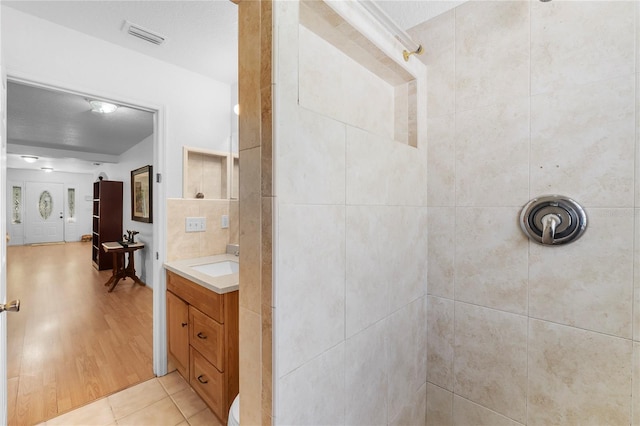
<point x="209" y="174"/>
<point x="377" y="90"/>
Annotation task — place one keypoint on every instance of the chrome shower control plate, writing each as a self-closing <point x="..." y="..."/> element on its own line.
<point x="553" y="220"/>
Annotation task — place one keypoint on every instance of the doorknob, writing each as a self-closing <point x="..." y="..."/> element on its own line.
<point x="13" y="306"/>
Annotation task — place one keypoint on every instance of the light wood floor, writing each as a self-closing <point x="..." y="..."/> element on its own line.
<point x="72" y="342"/>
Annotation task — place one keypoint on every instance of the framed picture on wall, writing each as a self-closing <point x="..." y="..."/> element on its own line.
<point x="141" y="194"/>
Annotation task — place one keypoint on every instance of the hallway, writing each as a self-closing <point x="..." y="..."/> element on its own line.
<point x="72" y="342"/>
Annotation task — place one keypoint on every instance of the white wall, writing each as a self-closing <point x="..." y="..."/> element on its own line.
<point x="82" y="182"/>
<point x="138" y="156"/>
<point x="197" y="107"/>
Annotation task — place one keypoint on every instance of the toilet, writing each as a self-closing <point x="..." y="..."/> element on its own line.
<point x="234" y="413"/>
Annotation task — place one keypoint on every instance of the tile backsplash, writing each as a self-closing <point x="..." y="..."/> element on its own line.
<point x="183" y="245"/>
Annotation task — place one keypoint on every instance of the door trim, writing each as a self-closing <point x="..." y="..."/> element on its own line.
<point x="159" y="199"/>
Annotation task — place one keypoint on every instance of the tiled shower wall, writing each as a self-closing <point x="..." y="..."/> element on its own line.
<point x="525" y="99"/>
<point x="350" y="225"/>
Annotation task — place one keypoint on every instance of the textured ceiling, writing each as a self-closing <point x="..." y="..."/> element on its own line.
<point x="49" y="119"/>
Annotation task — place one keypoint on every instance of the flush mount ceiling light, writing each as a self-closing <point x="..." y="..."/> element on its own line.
<point x="29" y="158"/>
<point x="46" y="169"/>
<point x="102" y="107"/>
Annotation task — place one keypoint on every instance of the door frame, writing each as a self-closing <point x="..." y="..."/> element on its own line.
<point x="159" y="221"/>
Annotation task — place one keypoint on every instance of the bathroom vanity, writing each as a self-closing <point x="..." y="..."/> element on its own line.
<point x="202" y="329"/>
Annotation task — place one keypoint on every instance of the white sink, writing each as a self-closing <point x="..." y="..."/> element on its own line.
<point x="218" y="269"/>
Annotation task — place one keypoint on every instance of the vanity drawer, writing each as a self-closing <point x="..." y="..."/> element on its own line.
<point x="207" y="336"/>
<point x="208" y="382"/>
<point x="205" y="300"/>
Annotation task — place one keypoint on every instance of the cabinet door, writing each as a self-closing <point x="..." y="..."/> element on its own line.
<point x="178" y="333"/>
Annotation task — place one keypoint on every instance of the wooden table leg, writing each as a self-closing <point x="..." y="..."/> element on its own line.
<point x="130" y="271"/>
<point x="117" y="271"/>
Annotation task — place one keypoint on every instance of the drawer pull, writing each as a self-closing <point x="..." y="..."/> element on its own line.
<point x="204" y="382"/>
<point x="202" y="336"/>
<point x="184" y="324"/>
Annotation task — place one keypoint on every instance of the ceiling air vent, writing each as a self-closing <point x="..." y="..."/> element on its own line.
<point x="143" y="33"/>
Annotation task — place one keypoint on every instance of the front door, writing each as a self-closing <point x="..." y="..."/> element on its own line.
<point x="44" y="211"/>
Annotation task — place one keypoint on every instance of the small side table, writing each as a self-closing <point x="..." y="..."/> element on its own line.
<point x="121" y="272"/>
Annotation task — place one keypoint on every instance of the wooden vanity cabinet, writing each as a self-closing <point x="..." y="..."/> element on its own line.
<point x="178" y="332"/>
<point x="205" y="350"/>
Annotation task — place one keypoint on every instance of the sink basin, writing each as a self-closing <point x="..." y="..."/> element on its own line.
<point x="218" y="269"/>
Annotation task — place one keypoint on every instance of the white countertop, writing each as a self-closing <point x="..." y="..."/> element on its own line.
<point x="220" y="285"/>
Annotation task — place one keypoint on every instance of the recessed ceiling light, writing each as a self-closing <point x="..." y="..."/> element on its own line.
<point x="29" y="158"/>
<point x="46" y="169"/>
<point x="103" y="107"/>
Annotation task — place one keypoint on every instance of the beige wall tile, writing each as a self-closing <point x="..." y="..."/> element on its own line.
<point x="333" y="84"/>
<point x="439" y="406"/>
<point x="186" y="245"/>
<point x="318" y="389"/>
<point x="440" y="326"/>
<point x="492" y="52"/>
<point x="250" y="244"/>
<point x="491" y="263"/>
<point x="414" y="411"/>
<point x="181" y="245"/>
<point x="234" y="222"/>
<point x="635" y="393"/>
<point x="250" y="366"/>
<point x="583" y="143"/>
<point x="490" y="366"/>
<point x="574" y="43"/>
<point x="380" y="276"/>
<point x="466" y="412"/>
<point x="636" y="277"/>
<point x="215" y="239"/>
<point x="637" y="119"/>
<point x="437" y="36"/>
<point x="309" y="288"/>
<point x="249" y="65"/>
<point x="313" y="162"/>
<point x="383" y="172"/>
<point x="441" y="166"/>
<point x="366" y="382"/>
<point x="441" y="238"/>
<point x="587" y="284"/>
<point x="492" y="155"/>
<point x="577" y="376"/>
<point x="406" y="355"/>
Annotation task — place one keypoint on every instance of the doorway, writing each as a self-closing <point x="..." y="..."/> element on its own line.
<point x="73" y="342"/>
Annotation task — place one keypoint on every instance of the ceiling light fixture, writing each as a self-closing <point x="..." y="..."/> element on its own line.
<point x="29" y="158"/>
<point x="46" y="169"/>
<point x="102" y="107"/>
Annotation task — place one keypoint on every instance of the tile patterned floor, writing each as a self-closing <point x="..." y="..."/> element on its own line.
<point x="166" y="400"/>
